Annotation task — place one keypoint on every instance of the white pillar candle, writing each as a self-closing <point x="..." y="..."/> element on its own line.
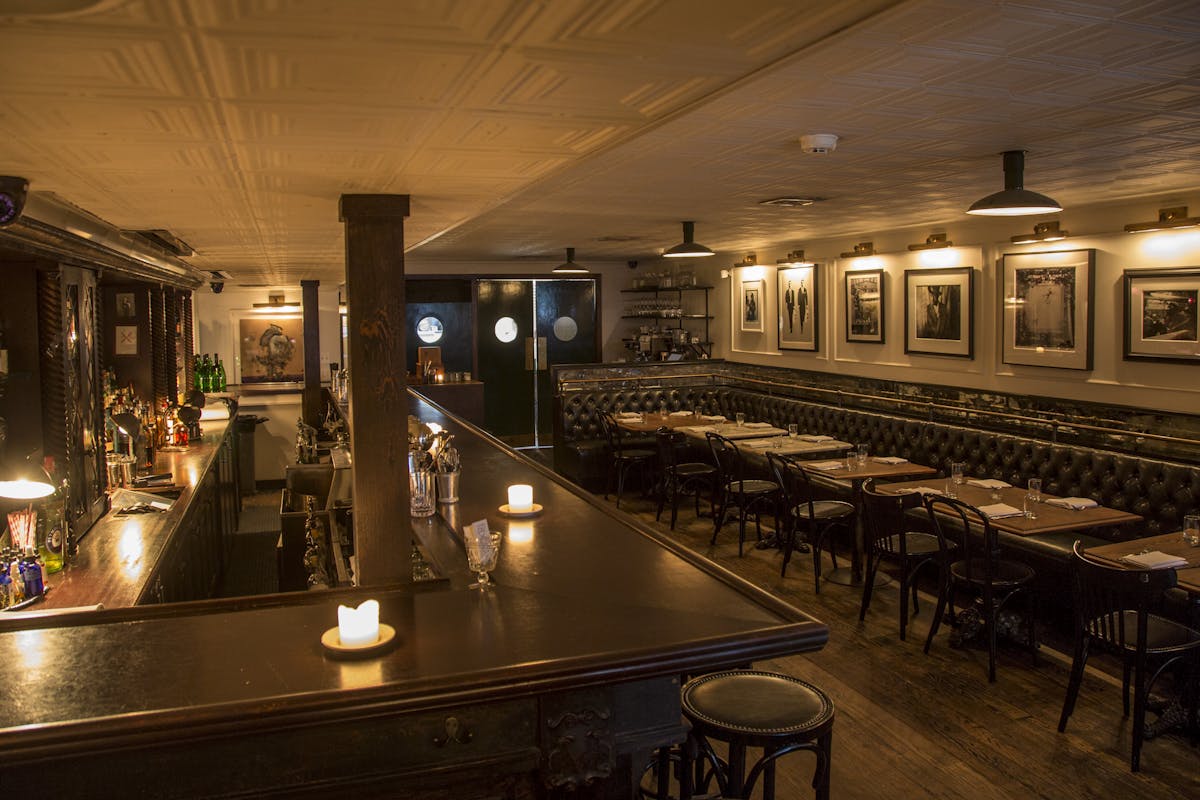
<point x="358" y="627"/>
<point x="520" y="497"/>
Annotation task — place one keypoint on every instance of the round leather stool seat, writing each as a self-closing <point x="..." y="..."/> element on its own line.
<point x="753" y="708"/>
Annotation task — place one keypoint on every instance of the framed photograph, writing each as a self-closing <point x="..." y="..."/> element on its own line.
<point x="864" y="306"/>
<point x="1049" y="308"/>
<point x="798" y="308"/>
<point x="270" y="349"/>
<point x="939" y="312"/>
<point x="126" y="305"/>
<point x="752" y="307"/>
<point x="1161" y="308"/>
<point x="125" y="340"/>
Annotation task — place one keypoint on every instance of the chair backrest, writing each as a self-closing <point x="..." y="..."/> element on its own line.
<point x="953" y="520"/>
<point x="794" y="486"/>
<point x="612" y="433"/>
<point x="1105" y="595"/>
<point x="726" y="457"/>
<point x="667" y="440"/>
<point x="886" y="522"/>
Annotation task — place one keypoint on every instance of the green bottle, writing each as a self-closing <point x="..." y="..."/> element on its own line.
<point x="220" y="379"/>
<point x="206" y="374"/>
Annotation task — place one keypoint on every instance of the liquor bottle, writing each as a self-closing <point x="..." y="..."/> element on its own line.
<point x="220" y="375"/>
<point x="50" y="542"/>
<point x="196" y="373"/>
<point x="206" y="374"/>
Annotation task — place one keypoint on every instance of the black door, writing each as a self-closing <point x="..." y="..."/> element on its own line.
<point x="566" y="328"/>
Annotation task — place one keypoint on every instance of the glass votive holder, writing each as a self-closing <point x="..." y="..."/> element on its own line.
<point x="863" y="452"/>
<point x="740" y="418"/>
<point x="793" y="429"/>
<point x="1191" y="529"/>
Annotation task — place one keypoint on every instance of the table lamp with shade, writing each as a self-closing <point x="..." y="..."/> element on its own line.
<point x="31" y="484"/>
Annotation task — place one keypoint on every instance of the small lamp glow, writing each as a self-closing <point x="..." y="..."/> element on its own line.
<point x="24" y="489"/>
<point x="359" y="627"/>
<point x="520" y="498"/>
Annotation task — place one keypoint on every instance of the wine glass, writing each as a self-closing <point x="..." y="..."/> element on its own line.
<point x="482" y="554"/>
<point x="863" y="452"/>
<point x="958" y="472"/>
<point x="740" y="417"/>
<point x="1033" y="496"/>
<point x="793" y="430"/>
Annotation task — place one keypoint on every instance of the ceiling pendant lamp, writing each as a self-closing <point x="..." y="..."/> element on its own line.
<point x="688" y="248"/>
<point x="569" y="267"/>
<point x="1015" y="200"/>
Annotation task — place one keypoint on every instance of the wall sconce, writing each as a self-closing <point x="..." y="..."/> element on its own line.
<point x="1042" y="232"/>
<point x="795" y="259"/>
<point x="1167" y="218"/>
<point x="932" y="242"/>
<point x="276" y="303"/>
<point x="861" y="249"/>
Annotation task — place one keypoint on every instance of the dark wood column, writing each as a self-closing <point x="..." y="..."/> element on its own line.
<point x="312" y="353"/>
<point x="161" y="359"/>
<point x="378" y="404"/>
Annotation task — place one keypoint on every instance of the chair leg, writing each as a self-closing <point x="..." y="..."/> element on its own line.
<point x="719" y="517"/>
<point x="868" y="585"/>
<point x="816" y="551"/>
<point x="664" y="487"/>
<point x="1077" y="665"/>
<point x="904" y="578"/>
<point x="938" y="612"/>
<point x="989" y="623"/>
<point x="1139" y="717"/>
<point x="824" y="766"/>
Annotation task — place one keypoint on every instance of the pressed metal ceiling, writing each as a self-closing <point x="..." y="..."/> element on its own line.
<point x="520" y="128"/>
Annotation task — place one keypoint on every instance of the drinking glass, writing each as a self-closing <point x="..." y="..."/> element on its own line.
<point x="1035" y="489"/>
<point x="1191" y="529"/>
<point x="696" y="412"/>
<point x="740" y="417"/>
<point x="482" y="554"/>
<point x="421" y="492"/>
<point x="863" y="452"/>
<point x="949" y="490"/>
<point x="793" y="429"/>
<point x="958" y="472"/>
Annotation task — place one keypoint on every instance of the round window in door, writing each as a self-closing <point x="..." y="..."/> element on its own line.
<point x="506" y="329"/>
<point x="430" y="330"/>
<point x="565" y="329"/>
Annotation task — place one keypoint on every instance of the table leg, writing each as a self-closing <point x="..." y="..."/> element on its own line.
<point x="853" y="576"/>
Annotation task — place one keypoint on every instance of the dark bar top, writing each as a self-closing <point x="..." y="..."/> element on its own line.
<point x="117" y="555"/>
<point x="583" y="596"/>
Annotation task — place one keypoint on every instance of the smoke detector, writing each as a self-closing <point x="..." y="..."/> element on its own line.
<point x="819" y="143"/>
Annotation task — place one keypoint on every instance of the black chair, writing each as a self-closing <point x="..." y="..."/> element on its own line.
<point x="979" y="568"/>
<point x="1113" y="608"/>
<point x="735" y="489"/>
<point x="676" y="479"/>
<point x="819" y="518"/>
<point x="889" y="540"/>
<point x="623" y="458"/>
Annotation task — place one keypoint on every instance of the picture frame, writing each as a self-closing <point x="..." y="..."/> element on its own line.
<point x="752" y="306"/>
<point x="126" y="305"/>
<point x="268" y="350"/>
<point x="939" y="312"/>
<point x="125" y="340"/>
<point x="865" y="305"/>
<point x="1049" y="308"/>
<point x="799" y="304"/>
<point x="1161" y="315"/>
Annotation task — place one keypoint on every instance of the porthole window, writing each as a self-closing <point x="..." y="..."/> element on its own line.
<point x="430" y="330"/>
<point x="565" y="329"/>
<point x="506" y="329"/>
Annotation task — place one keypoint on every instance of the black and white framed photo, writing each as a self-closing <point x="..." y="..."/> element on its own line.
<point x="752" y="306"/>
<point x="1049" y="308"/>
<point x="939" y="312"/>
<point x="798" y="308"/>
<point x="1162" y="315"/>
<point x="864" y="305"/>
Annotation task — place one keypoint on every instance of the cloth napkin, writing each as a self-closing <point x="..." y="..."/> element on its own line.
<point x="988" y="483"/>
<point x="1155" y="559"/>
<point x="1073" y="503"/>
<point x="681" y="413"/>
<point x="1000" y="511"/>
<point x="809" y="437"/>
<point x="889" y="460"/>
<point x="712" y="417"/>
<point x="823" y="465"/>
<point x="629" y="415"/>
<point x="760" y="444"/>
<point x="756" y="425"/>
<point x="921" y="490"/>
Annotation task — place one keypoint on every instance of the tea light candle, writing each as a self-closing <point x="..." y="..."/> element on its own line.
<point x="520" y="498"/>
<point x="359" y="627"/>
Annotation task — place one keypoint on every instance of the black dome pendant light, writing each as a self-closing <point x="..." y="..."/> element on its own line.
<point x="688" y="248"/>
<point x="1015" y="200"/>
<point x="569" y="267"/>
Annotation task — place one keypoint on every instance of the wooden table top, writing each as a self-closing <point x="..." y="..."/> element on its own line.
<point x="648" y="423"/>
<point x="731" y="430"/>
<point x="1169" y="543"/>
<point x="1050" y="519"/>
<point x="871" y="469"/>
<point x="791" y="446"/>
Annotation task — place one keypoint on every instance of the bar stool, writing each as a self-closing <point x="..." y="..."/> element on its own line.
<point x="753" y="708"/>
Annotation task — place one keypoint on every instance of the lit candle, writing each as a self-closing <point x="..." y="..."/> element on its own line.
<point x="520" y="497"/>
<point x="358" y="627"/>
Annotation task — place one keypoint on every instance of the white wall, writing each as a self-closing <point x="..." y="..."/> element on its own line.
<point x="981" y="243"/>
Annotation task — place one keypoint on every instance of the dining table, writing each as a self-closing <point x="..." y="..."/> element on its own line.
<point x="1172" y="544"/>
<point x="650" y="422"/>
<point x="787" y="445"/>
<point x="857" y="472"/>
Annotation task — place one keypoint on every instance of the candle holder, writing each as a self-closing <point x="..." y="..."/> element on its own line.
<point x="359" y="633"/>
<point x="520" y="502"/>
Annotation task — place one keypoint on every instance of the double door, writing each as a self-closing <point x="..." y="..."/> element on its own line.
<point x="523" y="327"/>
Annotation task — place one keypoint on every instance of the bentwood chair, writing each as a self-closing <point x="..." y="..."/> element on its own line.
<point x="735" y="489"/>
<point x="677" y="479"/>
<point x="623" y="458"/>
<point x="1113" y="608"/>
<point x="819" y="519"/>
<point x="889" y="540"/>
<point x="979" y="569"/>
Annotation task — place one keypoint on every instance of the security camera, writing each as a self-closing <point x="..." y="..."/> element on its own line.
<point x="217" y="286"/>
<point x="13" y="191"/>
<point x="632" y="264"/>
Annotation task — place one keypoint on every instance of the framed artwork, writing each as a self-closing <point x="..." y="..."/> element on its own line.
<point x="125" y="340"/>
<point x="939" y="312"/>
<point x="864" y="306"/>
<point x="798" y="294"/>
<point x="126" y="305"/>
<point x="1161" y="315"/>
<point x="269" y="348"/>
<point x="752" y="308"/>
<point x="1049" y="308"/>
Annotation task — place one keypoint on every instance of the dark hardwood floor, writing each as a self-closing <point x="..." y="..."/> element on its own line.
<point x="915" y="726"/>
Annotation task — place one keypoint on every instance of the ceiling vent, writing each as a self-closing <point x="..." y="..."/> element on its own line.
<point x="819" y="144"/>
<point x="791" y="202"/>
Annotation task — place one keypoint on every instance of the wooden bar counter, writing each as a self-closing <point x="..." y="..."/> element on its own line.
<point x="558" y="681"/>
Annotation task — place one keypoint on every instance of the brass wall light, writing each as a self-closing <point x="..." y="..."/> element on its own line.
<point x="932" y="242"/>
<point x="688" y="248"/>
<point x="1168" y="218"/>
<point x="861" y="249"/>
<point x="795" y="259"/>
<point x="1015" y="200"/>
<point x="1042" y="232"/>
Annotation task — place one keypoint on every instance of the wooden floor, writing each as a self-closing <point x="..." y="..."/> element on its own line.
<point x="915" y="726"/>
